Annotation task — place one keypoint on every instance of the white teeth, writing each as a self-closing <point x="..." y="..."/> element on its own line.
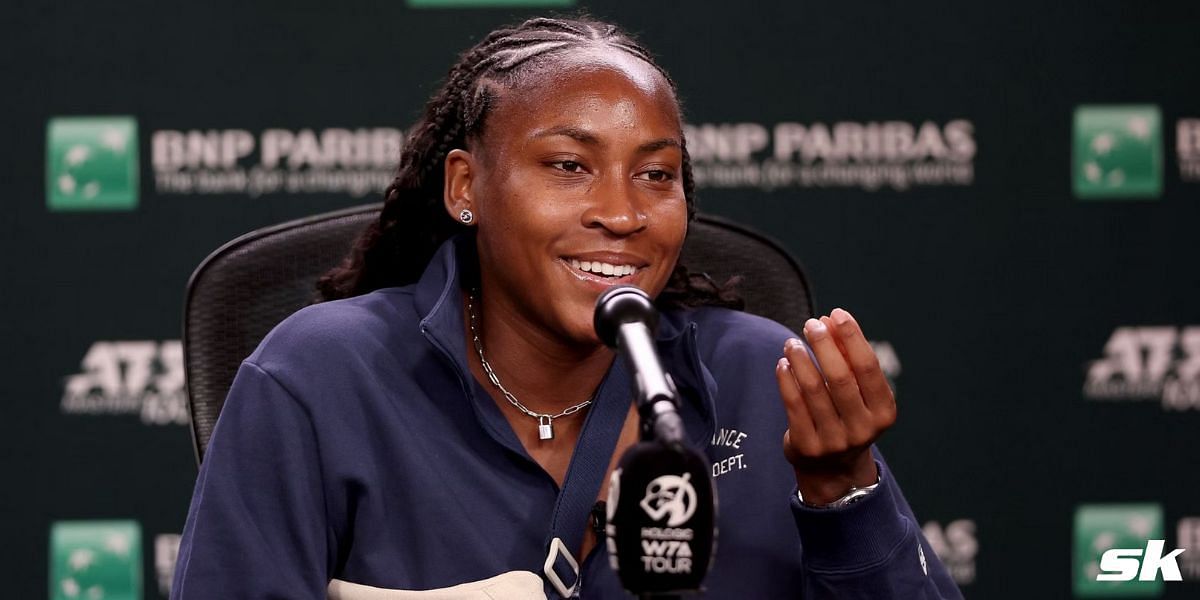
<point x="603" y="268"/>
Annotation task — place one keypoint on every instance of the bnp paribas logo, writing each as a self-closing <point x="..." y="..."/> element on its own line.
<point x="96" y="559"/>
<point x="1117" y="152"/>
<point x="91" y="163"/>
<point x="1120" y="551"/>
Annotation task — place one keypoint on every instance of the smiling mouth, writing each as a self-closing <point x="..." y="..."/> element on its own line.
<point x="602" y="269"/>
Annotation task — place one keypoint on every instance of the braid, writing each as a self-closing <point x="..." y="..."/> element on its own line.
<point x="394" y="250"/>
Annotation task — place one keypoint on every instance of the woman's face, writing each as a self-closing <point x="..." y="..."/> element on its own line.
<point x="578" y="186"/>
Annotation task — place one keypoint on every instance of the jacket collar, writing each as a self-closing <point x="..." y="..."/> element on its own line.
<point x="438" y="301"/>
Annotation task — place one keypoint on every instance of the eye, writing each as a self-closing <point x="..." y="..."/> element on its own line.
<point x="657" y="175"/>
<point x="568" y="166"/>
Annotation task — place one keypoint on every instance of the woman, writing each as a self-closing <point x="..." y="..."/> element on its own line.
<point x="414" y="434"/>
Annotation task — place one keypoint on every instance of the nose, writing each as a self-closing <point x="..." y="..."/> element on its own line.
<point x="615" y="207"/>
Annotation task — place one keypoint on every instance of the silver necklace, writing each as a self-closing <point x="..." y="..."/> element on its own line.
<point x="545" y="421"/>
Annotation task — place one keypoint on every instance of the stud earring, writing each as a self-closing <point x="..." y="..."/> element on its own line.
<point x="466" y="216"/>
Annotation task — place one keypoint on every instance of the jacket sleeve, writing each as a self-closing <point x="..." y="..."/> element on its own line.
<point x="257" y="526"/>
<point x="872" y="549"/>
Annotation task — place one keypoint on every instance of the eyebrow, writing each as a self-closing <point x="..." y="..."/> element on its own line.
<point x="586" y="137"/>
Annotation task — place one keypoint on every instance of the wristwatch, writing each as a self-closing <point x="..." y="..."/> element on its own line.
<point x="854" y="495"/>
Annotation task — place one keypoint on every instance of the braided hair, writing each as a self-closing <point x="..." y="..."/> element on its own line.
<point x="394" y="250"/>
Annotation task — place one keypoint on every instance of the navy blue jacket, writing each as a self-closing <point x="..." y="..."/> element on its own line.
<point x="355" y="444"/>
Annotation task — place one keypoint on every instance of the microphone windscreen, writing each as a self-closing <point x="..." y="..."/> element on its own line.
<point x="622" y="304"/>
<point x="661" y="519"/>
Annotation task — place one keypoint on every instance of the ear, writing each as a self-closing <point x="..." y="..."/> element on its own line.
<point x="460" y="173"/>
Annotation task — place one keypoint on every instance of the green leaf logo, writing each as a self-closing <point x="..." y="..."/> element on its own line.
<point x="96" y="560"/>
<point x="1117" y="152"/>
<point x="91" y="163"/>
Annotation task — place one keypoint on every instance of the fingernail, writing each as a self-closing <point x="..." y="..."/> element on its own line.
<point x="784" y="364"/>
<point x="840" y="316"/>
<point x="815" y="329"/>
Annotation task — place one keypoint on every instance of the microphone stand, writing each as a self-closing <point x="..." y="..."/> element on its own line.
<point x="625" y="320"/>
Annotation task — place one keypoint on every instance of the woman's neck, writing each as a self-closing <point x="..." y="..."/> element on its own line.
<point x="546" y="373"/>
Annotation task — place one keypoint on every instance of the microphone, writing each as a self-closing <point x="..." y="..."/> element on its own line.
<point x="661" y="510"/>
<point x="625" y="319"/>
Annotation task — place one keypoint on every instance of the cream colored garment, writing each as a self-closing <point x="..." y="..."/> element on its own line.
<point x="513" y="585"/>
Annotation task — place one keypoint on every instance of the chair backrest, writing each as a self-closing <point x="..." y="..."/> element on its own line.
<point x="250" y="284"/>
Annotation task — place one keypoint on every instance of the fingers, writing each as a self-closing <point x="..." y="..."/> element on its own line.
<point x="799" y="419"/>
<point x="877" y="395"/>
<point x="837" y="399"/>
<point x="839" y="378"/>
<point x="812" y="388"/>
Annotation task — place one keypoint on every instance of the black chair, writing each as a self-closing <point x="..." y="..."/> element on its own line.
<point x="250" y="284"/>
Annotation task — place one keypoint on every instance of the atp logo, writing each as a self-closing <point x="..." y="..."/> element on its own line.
<point x="670" y="496"/>
<point x="141" y="377"/>
<point x="91" y="163"/>
<point x="1148" y="363"/>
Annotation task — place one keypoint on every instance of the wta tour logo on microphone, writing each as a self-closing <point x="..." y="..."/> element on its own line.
<point x="661" y="531"/>
<point x="670" y="498"/>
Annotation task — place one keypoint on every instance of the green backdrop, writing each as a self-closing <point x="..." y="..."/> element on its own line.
<point x="1005" y="194"/>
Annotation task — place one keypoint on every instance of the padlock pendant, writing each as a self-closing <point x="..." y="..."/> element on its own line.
<point x="545" y="429"/>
